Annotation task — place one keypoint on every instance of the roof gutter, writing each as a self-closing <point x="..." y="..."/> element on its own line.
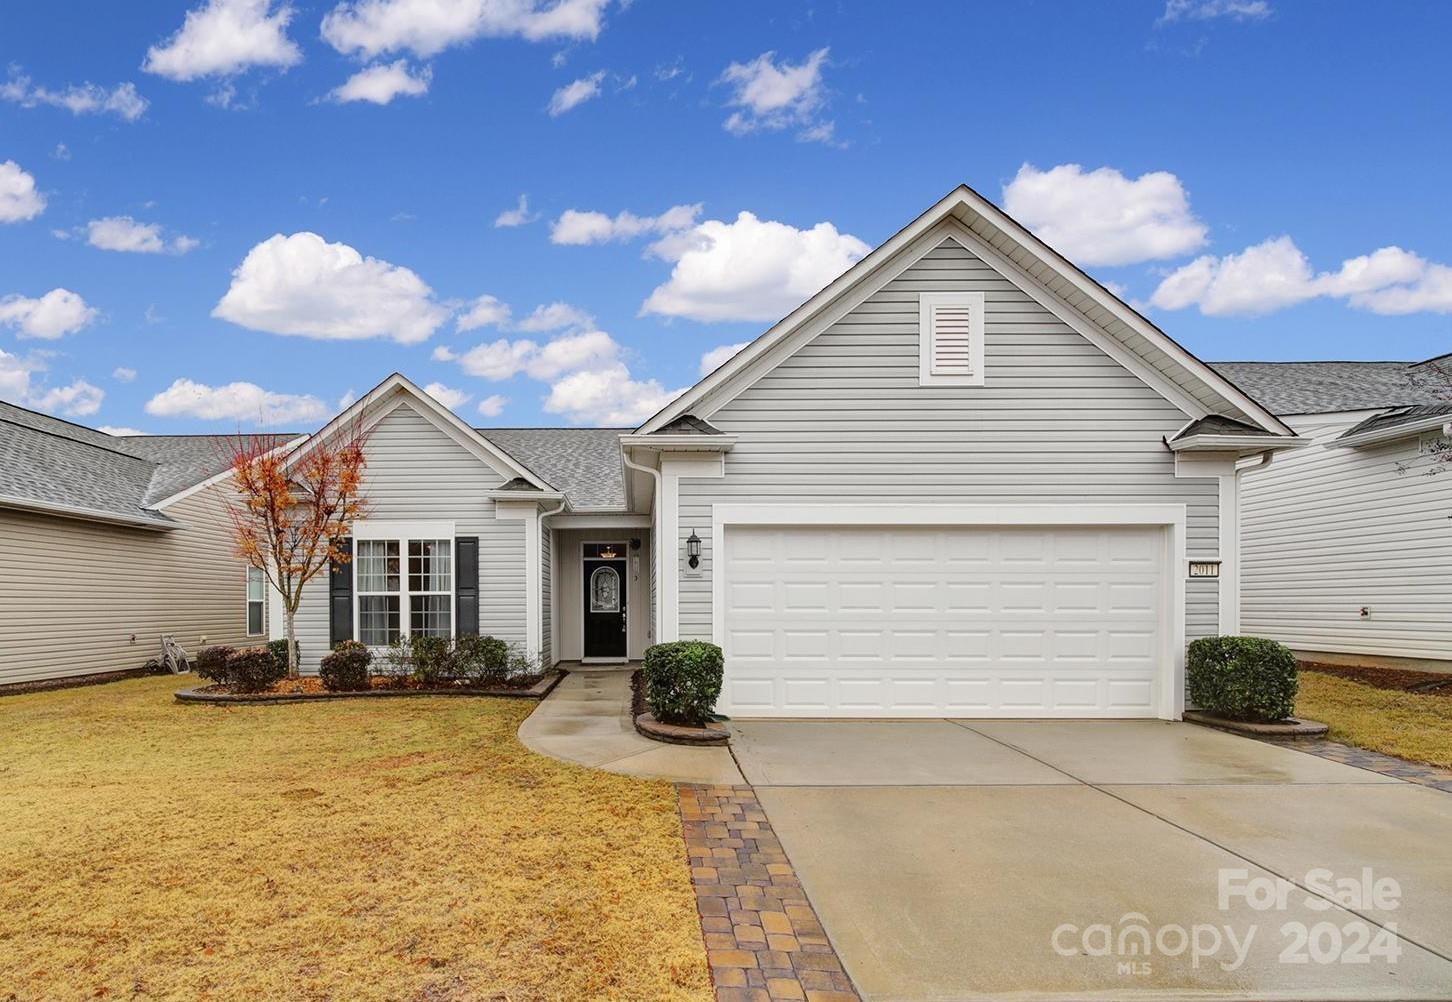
<point x="88" y="514"/>
<point x="679" y="443"/>
<point x="1235" y="443"/>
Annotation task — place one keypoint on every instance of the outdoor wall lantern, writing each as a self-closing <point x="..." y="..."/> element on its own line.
<point x="693" y="550"/>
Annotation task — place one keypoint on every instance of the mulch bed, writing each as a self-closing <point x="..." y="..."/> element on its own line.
<point x="311" y="688"/>
<point x="1427" y="683"/>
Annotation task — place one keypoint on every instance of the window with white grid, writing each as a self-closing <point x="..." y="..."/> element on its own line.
<point x="379" y="586"/>
<point x="430" y="587"/>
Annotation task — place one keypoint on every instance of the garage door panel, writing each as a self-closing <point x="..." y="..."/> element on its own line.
<point x="927" y="621"/>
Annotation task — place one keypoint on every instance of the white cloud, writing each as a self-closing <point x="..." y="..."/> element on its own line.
<point x="122" y="233"/>
<point x="76" y="400"/>
<point x="772" y="96"/>
<point x="1275" y="274"/>
<point x="1101" y="217"/>
<point x="79" y="99"/>
<point x="120" y="431"/>
<point x="224" y="37"/>
<point x="19" y="200"/>
<point x="1208" y="10"/>
<point x="486" y="311"/>
<point x="749" y="269"/>
<point x="607" y="396"/>
<point x="503" y="358"/>
<point x="448" y="396"/>
<point x="493" y="405"/>
<point x="303" y="285"/>
<point x="717" y="357"/>
<point x="517" y="216"/>
<point x="122" y="374"/>
<point x="427" y="27"/>
<point x="555" y="316"/>
<point x="572" y="95"/>
<point x="235" y="402"/>
<point x="61" y="152"/>
<point x="383" y="82"/>
<point x="57" y="313"/>
<point x="576" y="227"/>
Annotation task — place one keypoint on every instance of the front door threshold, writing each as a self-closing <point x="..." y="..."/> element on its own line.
<point x="604" y="661"/>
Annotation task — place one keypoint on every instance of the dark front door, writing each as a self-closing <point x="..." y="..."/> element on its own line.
<point x="605" y="608"/>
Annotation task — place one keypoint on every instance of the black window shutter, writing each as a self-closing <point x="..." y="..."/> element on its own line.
<point x="340" y="597"/>
<point x="466" y="588"/>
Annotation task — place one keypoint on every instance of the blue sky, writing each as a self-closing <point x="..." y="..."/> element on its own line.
<point x="233" y="239"/>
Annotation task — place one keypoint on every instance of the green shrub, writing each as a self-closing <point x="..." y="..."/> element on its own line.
<point x="1243" y="678"/>
<point x="481" y="660"/>
<point x="211" y="664"/>
<point x="346" y="668"/>
<point x="398" y="661"/>
<point x="521" y="666"/>
<point x="279" y="653"/>
<point x="254" y="669"/>
<point x="433" y="660"/>
<point x="682" y="681"/>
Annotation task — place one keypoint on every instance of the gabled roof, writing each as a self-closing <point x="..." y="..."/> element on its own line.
<point x="584" y="463"/>
<point x="1328" y="387"/>
<point x="47" y="464"/>
<point x="1047" y="276"/>
<point x="688" y="424"/>
<point x="397" y="388"/>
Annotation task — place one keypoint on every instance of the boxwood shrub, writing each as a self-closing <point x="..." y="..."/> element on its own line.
<point x="345" y="669"/>
<point x="1243" y="678"/>
<point x="279" y="653"/>
<point x="682" y="681"/>
<point x="481" y="659"/>
<point x="254" y="669"/>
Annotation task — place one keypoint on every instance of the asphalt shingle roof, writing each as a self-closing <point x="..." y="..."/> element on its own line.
<point x="583" y="463"/>
<point x="1398" y="416"/>
<point x="1219" y="424"/>
<point x="1322" y="387"/>
<point x="53" y="462"/>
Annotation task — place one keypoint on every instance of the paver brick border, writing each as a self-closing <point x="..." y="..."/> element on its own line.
<point x="1373" y="761"/>
<point x="764" y="942"/>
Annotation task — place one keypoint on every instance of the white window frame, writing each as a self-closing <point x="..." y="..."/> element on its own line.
<point x="250" y="602"/>
<point x="976" y="303"/>
<point x="403" y="533"/>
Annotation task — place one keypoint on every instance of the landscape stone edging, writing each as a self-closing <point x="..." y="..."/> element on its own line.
<point x="1291" y="728"/>
<point x="712" y="734"/>
<point x="539" y="690"/>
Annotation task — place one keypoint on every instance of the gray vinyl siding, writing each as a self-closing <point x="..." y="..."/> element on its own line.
<point x="1326" y="530"/>
<point x="844" y="419"/>
<point x="74" y="593"/>
<point x="415" y="472"/>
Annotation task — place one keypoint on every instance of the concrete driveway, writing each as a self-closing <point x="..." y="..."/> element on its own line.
<point x="976" y="859"/>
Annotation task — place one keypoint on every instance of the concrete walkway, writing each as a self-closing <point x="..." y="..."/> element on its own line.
<point x="587" y="720"/>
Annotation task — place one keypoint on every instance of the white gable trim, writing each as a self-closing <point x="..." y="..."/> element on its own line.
<point x="702" y="399"/>
<point x="374" y="406"/>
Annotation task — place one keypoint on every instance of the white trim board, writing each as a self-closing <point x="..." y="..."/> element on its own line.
<point x="1170" y="688"/>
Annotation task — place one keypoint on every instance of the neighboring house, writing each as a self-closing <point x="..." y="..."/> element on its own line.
<point x="108" y="543"/>
<point x="964" y="479"/>
<point x="1346" y="546"/>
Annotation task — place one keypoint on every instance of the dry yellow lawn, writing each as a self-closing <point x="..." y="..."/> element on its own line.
<point x="1406" y="724"/>
<point x="356" y="850"/>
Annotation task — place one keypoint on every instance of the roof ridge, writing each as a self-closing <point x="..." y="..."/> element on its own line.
<point x="1317" y="361"/>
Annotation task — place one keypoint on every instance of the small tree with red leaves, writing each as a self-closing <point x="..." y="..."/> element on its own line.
<point x="293" y="509"/>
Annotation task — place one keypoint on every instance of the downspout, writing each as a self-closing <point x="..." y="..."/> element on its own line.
<point x="655" y="543"/>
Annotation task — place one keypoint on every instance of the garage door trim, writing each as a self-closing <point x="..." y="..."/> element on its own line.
<point x="1172" y="517"/>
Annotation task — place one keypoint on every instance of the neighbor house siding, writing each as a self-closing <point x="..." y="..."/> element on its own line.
<point x="73" y="593"/>
<point x="1328" y="530"/>
<point x="844" y="419"/>
<point x="416" y="472"/>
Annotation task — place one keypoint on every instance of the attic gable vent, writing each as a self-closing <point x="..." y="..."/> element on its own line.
<point x="950" y="338"/>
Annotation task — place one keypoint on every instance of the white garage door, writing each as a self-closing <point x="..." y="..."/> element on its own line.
<point x="954" y="621"/>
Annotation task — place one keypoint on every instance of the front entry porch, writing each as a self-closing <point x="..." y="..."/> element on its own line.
<point x="599" y="607"/>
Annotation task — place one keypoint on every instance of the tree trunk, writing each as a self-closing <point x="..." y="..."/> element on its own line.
<point x="292" y="665"/>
